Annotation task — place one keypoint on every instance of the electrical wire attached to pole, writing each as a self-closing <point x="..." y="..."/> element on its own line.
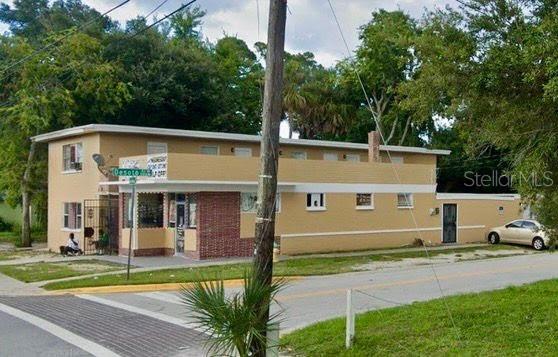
<point x="398" y="178"/>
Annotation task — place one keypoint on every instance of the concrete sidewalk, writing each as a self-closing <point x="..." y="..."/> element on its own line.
<point x="13" y="287"/>
<point x="142" y="264"/>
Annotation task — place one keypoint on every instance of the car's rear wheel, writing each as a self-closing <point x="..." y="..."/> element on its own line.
<point x="538" y="243"/>
<point x="494" y="238"/>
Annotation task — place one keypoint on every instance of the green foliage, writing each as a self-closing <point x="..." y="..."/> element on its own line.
<point x="492" y="68"/>
<point x="384" y="61"/>
<point x="33" y="19"/>
<point x="233" y="322"/>
<point x="71" y="86"/>
<point x="301" y="266"/>
<point x="507" y="322"/>
<point x="4" y="225"/>
<point x="42" y="271"/>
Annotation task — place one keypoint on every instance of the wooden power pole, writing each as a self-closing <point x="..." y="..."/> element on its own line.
<point x="269" y="155"/>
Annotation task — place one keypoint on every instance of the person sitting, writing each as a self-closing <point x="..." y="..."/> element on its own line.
<point x="73" y="246"/>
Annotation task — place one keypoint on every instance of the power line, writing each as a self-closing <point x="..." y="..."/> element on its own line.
<point x="71" y="32"/>
<point x="163" y="19"/>
<point x="65" y="76"/>
<point x="156" y="8"/>
<point x="382" y="138"/>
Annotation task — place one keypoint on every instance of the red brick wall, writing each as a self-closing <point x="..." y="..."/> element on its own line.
<point x="219" y="227"/>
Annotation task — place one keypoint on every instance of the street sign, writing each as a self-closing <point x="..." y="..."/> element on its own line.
<point x="132" y="180"/>
<point x="119" y="171"/>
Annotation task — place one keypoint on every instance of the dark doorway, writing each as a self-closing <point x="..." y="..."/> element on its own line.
<point x="100" y="224"/>
<point x="449" y="229"/>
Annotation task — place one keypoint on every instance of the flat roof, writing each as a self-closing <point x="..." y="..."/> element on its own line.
<point x="141" y="130"/>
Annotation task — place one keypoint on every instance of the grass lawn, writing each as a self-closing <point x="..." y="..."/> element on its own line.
<point x="41" y="271"/>
<point x="517" y="321"/>
<point x="291" y="267"/>
<point x="15" y="254"/>
<point x="14" y="238"/>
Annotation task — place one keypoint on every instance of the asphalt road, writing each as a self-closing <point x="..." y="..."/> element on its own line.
<point x="22" y="339"/>
<point x="318" y="298"/>
<point x="303" y="301"/>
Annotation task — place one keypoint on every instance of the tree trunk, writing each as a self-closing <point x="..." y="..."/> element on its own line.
<point x="392" y="132"/>
<point x="26" y="199"/>
<point x="267" y="181"/>
<point x="404" y="135"/>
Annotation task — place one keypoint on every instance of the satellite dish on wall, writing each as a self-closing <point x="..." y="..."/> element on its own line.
<point x="99" y="159"/>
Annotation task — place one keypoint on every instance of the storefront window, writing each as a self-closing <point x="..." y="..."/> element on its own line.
<point x="192" y="210"/>
<point x="150" y="210"/>
<point x="172" y="210"/>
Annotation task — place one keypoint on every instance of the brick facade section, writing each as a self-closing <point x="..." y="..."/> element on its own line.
<point x="218" y="227"/>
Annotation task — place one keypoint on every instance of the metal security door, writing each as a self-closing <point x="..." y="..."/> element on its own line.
<point x="100" y="224"/>
<point x="449" y="230"/>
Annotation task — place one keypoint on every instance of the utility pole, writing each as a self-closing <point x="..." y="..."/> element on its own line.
<point x="269" y="157"/>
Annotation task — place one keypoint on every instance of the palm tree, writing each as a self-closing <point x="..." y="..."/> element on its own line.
<point x="232" y="322"/>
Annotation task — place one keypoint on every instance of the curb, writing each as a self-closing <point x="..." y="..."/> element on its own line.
<point x="142" y="288"/>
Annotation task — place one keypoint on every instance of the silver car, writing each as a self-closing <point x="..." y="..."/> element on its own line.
<point x="521" y="231"/>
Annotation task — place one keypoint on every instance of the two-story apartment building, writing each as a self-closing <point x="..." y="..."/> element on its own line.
<point x="201" y="198"/>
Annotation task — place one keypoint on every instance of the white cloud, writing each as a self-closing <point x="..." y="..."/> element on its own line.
<point x="310" y="24"/>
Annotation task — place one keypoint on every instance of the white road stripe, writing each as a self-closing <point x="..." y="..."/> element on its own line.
<point x="165" y="297"/>
<point x="139" y="310"/>
<point x="57" y="331"/>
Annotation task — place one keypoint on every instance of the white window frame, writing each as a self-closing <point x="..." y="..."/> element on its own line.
<point x="154" y="144"/>
<point x="78" y="158"/>
<point x="397" y="159"/>
<point x="331" y="156"/>
<point x="410" y="201"/>
<point x="247" y="151"/>
<point x="216" y="147"/>
<point x="364" y="208"/>
<point x="352" y="157"/>
<point x="322" y="198"/>
<point x="304" y="155"/>
<point x="78" y="217"/>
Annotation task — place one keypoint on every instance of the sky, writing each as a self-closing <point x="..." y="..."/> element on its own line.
<point x="310" y="24"/>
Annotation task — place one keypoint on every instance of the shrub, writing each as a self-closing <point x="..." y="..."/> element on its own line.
<point x="231" y="321"/>
<point x="4" y="225"/>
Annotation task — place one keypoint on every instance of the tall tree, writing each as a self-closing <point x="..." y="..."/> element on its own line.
<point x="241" y="77"/>
<point x="34" y="19"/>
<point x="67" y="87"/>
<point x="492" y="67"/>
<point x="384" y="61"/>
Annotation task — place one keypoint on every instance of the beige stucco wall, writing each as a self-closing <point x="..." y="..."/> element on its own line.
<point x="155" y="238"/>
<point x="149" y="238"/>
<point x="385" y="226"/>
<point x="69" y="187"/>
<point x="184" y="156"/>
<point x="410" y="158"/>
<point x="221" y="168"/>
<point x="190" y="240"/>
<point x="132" y="144"/>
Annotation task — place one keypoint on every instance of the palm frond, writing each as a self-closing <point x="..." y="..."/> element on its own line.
<point x="232" y="321"/>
